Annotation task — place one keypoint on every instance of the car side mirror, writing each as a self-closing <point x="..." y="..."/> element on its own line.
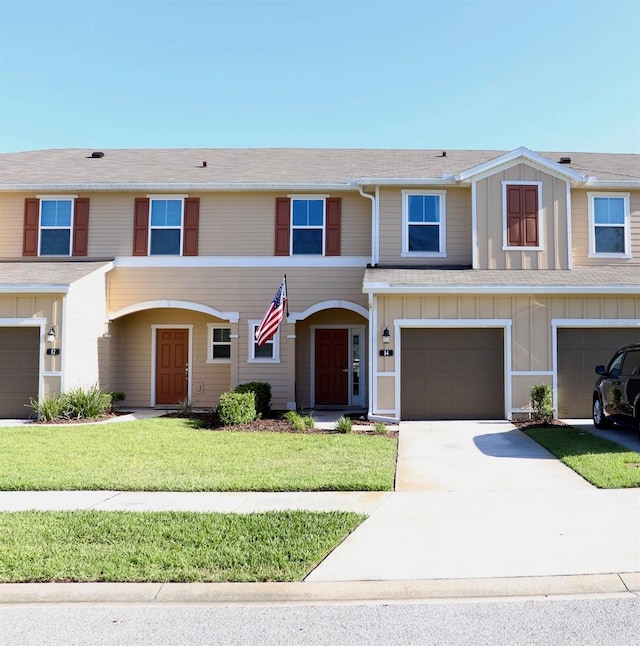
<point x="599" y="370"/>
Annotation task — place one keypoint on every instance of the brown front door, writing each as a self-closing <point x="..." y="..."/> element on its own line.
<point x="172" y="369"/>
<point x="332" y="367"/>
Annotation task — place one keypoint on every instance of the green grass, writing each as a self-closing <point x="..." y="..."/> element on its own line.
<point x="603" y="463"/>
<point x="167" y="546"/>
<point x="169" y="454"/>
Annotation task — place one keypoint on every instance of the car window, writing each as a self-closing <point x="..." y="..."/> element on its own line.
<point x="616" y="362"/>
<point x="631" y="364"/>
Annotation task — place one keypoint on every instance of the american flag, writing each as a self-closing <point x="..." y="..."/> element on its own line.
<point x="273" y="316"/>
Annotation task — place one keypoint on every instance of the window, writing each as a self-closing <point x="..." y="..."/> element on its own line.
<point x="521" y="214"/>
<point x="55" y="227"/>
<point x="609" y="229"/>
<point x="269" y="352"/>
<point x="166" y="225"/>
<point x="219" y="344"/>
<point x="308" y="225"/>
<point x="423" y="223"/>
<point x="307" y="229"/>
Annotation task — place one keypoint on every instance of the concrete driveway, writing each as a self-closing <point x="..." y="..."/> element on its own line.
<point x="482" y="500"/>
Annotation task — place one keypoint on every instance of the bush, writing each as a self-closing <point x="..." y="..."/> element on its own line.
<point x="299" y="422"/>
<point x="380" y="427"/>
<point x="236" y="408"/>
<point x="541" y="403"/>
<point x="76" y="404"/>
<point x="262" y="392"/>
<point x="344" y="425"/>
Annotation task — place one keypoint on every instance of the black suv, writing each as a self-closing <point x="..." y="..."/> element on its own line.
<point x="616" y="396"/>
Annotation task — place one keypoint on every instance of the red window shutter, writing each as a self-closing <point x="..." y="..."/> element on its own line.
<point x="191" y="226"/>
<point x="80" y="226"/>
<point x="30" y="235"/>
<point x="141" y="226"/>
<point x="333" y="226"/>
<point x="522" y="216"/>
<point x="283" y="219"/>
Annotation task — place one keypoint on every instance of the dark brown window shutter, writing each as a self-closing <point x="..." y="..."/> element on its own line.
<point x="283" y="219"/>
<point x="522" y="216"/>
<point x="333" y="226"/>
<point x="191" y="226"/>
<point x="30" y="235"/>
<point x="80" y="226"/>
<point x="141" y="226"/>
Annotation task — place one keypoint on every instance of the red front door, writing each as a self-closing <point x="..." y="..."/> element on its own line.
<point x="332" y="367"/>
<point x="172" y="369"/>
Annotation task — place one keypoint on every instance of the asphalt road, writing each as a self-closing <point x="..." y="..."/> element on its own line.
<point x="594" y="621"/>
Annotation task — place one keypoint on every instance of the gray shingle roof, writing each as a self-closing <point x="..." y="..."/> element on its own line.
<point x="580" y="279"/>
<point x="19" y="274"/>
<point x="277" y="165"/>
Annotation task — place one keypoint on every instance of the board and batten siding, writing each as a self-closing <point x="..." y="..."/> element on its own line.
<point x="458" y="228"/>
<point x="490" y="223"/>
<point x="531" y="328"/>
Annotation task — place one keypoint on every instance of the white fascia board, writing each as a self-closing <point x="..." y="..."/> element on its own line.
<point x="173" y="187"/>
<point x="445" y="180"/>
<point x="385" y="288"/>
<point x="325" y="262"/>
<point x="509" y="159"/>
<point x="16" y="288"/>
<point x="592" y="182"/>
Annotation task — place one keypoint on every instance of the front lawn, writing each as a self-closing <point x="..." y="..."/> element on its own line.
<point x="167" y="546"/>
<point x="603" y="463"/>
<point x="172" y="454"/>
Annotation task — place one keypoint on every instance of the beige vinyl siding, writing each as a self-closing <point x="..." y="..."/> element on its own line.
<point x="131" y="357"/>
<point x="580" y="228"/>
<point x="458" y="228"/>
<point x="531" y="326"/>
<point x="12" y="216"/>
<point x="83" y="343"/>
<point x="490" y="223"/>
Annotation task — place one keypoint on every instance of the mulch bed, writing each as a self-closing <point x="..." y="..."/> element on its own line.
<point x="525" y="424"/>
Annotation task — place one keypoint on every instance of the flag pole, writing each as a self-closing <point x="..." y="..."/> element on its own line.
<point x="286" y="291"/>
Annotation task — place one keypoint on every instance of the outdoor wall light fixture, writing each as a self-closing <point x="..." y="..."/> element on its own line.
<point x="386" y="337"/>
<point x="51" y="336"/>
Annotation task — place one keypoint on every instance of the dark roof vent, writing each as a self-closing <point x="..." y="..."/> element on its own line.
<point x="564" y="160"/>
<point x="444" y="153"/>
<point x="97" y="155"/>
<point x="204" y="164"/>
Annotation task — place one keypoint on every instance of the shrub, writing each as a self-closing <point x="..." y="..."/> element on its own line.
<point x="299" y="422"/>
<point x="541" y="402"/>
<point x="117" y="396"/>
<point x="309" y="422"/>
<point x="75" y="404"/>
<point x="380" y="427"/>
<point x="236" y="408"/>
<point x="185" y="407"/>
<point x="344" y="425"/>
<point x="262" y="392"/>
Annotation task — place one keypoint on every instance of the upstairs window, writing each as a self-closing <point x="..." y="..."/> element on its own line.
<point x="166" y="225"/>
<point x="423" y="223"/>
<point x="609" y="230"/>
<point x="308" y="225"/>
<point x="521" y="214"/>
<point x="56" y="225"/>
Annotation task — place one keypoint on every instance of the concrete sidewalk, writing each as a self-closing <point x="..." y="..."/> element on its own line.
<point x="479" y="510"/>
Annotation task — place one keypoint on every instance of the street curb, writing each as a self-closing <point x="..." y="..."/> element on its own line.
<point x="618" y="584"/>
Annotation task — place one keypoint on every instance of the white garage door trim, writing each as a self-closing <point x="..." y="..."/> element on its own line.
<point x="505" y="324"/>
<point x="583" y="323"/>
<point x="34" y="322"/>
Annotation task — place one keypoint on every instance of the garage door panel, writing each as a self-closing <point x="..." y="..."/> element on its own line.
<point x="19" y="370"/>
<point x="580" y="350"/>
<point x="452" y="373"/>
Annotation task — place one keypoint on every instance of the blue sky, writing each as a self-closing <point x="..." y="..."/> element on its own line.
<point x="561" y="75"/>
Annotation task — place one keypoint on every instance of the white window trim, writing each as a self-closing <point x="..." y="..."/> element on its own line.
<point x="322" y="198"/>
<point x="505" y="232"/>
<point x="176" y="198"/>
<point x="442" y="238"/>
<point x="275" y="340"/>
<point x="592" y="225"/>
<point x="56" y="198"/>
<point x="210" y="328"/>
